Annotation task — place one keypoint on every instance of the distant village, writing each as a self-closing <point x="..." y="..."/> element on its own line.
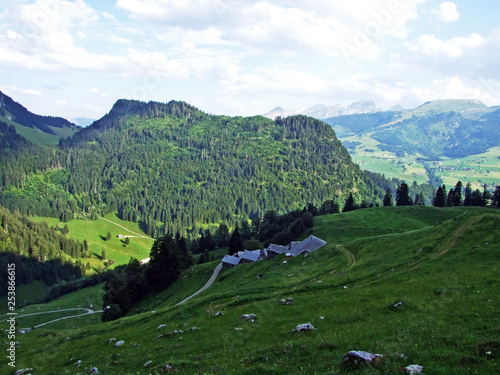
<point x="293" y="249"/>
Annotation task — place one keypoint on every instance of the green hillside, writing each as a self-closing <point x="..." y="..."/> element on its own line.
<point x="171" y="167"/>
<point x="44" y="130"/>
<point x="415" y="284"/>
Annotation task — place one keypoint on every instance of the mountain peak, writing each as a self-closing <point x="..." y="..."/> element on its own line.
<point x="321" y="111"/>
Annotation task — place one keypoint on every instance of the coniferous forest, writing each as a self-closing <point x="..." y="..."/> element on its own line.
<point x="169" y="166"/>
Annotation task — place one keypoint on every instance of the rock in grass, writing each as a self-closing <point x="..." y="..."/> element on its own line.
<point x="304" y="327"/>
<point x="248" y="316"/>
<point x="94" y="370"/>
<point x="22" y="371"/>
<point x="148" y="363"/>
<point x="413" y="369"/>
<point x="357" y="357"/>
<point x="120" y="343"/>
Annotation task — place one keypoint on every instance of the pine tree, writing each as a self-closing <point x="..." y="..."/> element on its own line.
<point x="235" y="242"/>
<point x="108" y="236"/>
<point x="403" y="196"/>
<point x="349" y="204"/>
<point x="127" y="240"/>
<point x="469" y="195"/>
<point x="495" y="200"/>
<point x="103" y="254"/>
<point x="388" y="202"/>
<point x="457" y="194"/>
<point x="440" y="198"/>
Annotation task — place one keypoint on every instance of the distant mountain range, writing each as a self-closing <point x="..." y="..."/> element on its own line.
<point x="441" y="128"/>
<point x="321" y="111"/>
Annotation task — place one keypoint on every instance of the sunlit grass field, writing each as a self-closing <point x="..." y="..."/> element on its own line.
<point x="418" y="285"/>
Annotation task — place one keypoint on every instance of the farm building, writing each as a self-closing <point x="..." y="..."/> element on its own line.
<point x="250" y="256"/>
<point x="230" y="261"/>
<point x="293" y="249"/>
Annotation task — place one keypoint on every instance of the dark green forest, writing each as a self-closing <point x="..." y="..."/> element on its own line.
<point x="169" y="166"/>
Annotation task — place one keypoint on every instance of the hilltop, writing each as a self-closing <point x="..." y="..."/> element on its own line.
<point x="415" y="284"/>
<point x="47" y="130"/>
<point x="170" y="166"/>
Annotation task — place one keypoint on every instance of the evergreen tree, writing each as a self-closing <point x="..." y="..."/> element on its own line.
<point x="329" y="207"/>
<point x="486" y="195"/>
<point x="65" y="230"/>
<point x="388" y="202"/>
<point x="108" y="236"/>
<point x="235" y="242"/>
<point x="103" y="254"/>
<point x="468" y="195"/>
<point x="450" y="199"/>
<point x="222" y="235"/>
<point x="440" y="198"/>
<point x="127" y="240"/>
<point x="477" y="198"/>
<point x="403" y="195"/>
<point x="349" y="204"/>
<point x="457" y="194"/>
<point x="165" y="264"/>
<point x="495" y="200"/>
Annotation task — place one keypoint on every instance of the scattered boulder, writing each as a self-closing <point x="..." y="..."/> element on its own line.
<point x="78" y="363"/>
<point x="218" y="313"/>
<point x="22" y="371"/>
<point x="288" y="301"/>
<point x="161" y="326"/>
<point x="238" y="329"/>
<point x="413" y="369"/>
<point x="94" y="370"/>
<point x="248" y="316"/>
<point x="304" y="327"/>
<point x="120" y="343"/>
<point x="148" y="363"/>
<point x="357" y="357"/>
<point x="111" y="340"/>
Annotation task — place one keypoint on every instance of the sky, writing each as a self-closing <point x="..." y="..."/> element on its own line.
<point x="233" y="57"/>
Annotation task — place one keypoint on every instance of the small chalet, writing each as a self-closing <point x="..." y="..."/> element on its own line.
<point x="250" y="256"/>
<point x="230" y="261"/>
<point x="293" y="249"/>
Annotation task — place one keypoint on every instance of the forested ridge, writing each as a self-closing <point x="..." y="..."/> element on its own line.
<point x="169" y="166"/>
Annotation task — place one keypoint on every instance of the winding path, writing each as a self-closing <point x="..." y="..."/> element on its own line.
<point x="87" y="312"/>
<point x="206" y="286"/>
<point x="128" y="230"/>
<point x="351" y="258"/>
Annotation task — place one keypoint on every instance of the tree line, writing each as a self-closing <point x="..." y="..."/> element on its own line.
<point x="170" y="166"/>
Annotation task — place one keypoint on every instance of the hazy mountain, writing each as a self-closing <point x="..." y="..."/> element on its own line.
<point x="321" y="111"/>
<point x="450" y="128"/>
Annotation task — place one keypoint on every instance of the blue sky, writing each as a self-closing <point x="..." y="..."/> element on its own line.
<point x="234" y="57"/>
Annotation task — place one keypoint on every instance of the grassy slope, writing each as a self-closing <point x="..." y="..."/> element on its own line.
<point x="95" y="234"/>
<point x="443" y="264"/>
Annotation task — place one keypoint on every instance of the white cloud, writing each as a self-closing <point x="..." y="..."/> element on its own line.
<point x="447" y="12"/>
<point x="456" y="47"/>
<point x="453" y="88"/>
<point x="29" y="92"/>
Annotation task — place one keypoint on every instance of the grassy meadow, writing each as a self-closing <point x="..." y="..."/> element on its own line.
<point x="95" y="231"/>
<point x="418" y="285"/>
